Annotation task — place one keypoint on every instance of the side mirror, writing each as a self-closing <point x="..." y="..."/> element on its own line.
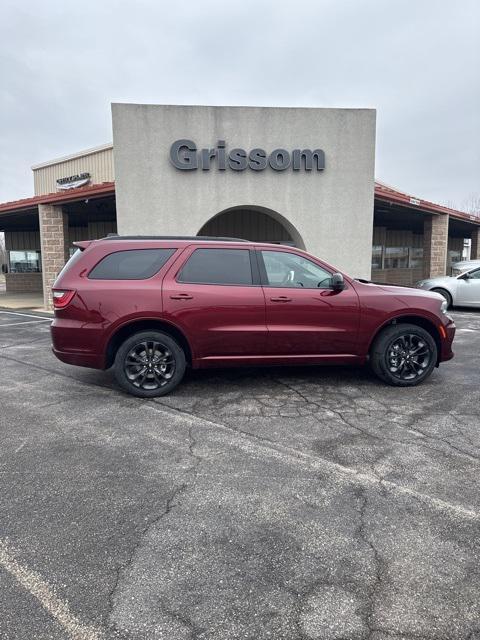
<point x="465" y="276"/>
<point x="337" y="282"/>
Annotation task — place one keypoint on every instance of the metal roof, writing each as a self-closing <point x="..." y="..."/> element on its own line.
<point x="60" y="197"/>
<point x="383" y="193"/>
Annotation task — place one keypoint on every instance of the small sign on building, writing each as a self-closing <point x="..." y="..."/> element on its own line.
<point x="72" y="182"/>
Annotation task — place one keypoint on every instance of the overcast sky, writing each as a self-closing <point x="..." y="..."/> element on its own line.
<point x="416" y="61"/>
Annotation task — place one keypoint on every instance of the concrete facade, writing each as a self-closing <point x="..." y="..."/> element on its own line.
<point x="329" y="212"/>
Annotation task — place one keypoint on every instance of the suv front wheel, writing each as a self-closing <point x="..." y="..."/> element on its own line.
<point x="403" y="355"/>
<point x="149" y="364"/>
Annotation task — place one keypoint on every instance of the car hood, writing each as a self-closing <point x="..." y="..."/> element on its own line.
<point x="438" y="282"/>
<point x="402" y="293"/>
<point x="409" y="291"/>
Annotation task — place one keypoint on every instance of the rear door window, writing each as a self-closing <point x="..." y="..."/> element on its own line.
<point x="134" y="264"/>
<point x="218" y="266"/>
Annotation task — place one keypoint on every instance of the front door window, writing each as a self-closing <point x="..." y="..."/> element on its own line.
<point x="290" y="270"/>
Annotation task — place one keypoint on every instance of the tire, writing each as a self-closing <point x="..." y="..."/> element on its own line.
<point x="445" y="294"/>
<point x="403" y="355"/>
<point x="149" y="364"/>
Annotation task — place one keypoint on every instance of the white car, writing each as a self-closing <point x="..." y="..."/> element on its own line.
<point x="461" y="291"/>
<point x="464" y="265"/>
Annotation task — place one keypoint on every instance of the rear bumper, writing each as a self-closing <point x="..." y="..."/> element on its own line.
<point x="74" y="345"/>
<point x="78" y="359"/>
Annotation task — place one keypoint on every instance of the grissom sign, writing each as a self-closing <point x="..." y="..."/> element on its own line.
<point x="185" y="156"/>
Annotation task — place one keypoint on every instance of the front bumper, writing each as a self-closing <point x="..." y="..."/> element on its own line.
<point x="446" y="352"/>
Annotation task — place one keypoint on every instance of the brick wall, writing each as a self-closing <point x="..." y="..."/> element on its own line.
<point x="407" y="277"/>
<point x="23" y="282"/>
<point x="435" y="242"/>
<point x="54" y="239"/>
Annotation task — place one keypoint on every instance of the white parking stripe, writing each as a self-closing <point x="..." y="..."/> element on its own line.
<point x="16" y="324"/>
<point x="44" y="593"/>
<point x="25" y="315"/>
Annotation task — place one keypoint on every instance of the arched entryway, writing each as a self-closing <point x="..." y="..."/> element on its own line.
<point x="257" y="224"/>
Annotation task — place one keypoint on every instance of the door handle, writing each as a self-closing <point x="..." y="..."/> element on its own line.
<point x="281" y="299"/>
<point x="181" y="296"/>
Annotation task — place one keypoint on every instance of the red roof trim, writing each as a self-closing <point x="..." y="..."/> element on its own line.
<point x="90" y="191"/>
<point x="382" y="192"/>
<point x="388" y="194"/>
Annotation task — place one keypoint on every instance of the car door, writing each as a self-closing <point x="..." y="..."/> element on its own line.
<point x="468" y="289"/>
<point x="304" y="315"/>
<point x="214" y="295"/>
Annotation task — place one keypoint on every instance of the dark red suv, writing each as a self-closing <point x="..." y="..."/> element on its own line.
<point x="150" y="306"/>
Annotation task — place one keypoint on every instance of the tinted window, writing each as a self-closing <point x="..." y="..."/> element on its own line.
<point x="289" y="270"/>
<point x="136" y="264"/>
<point x="218" y="266"/>
<point x="75" y="257"/>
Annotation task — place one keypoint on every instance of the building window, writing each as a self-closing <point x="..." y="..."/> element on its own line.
<point x="25" y="261"/>
<point x="416" y="257"/>
<point x="454" y="256"/>
<point x="396" y="257"/>
<point x="377" y="256"/>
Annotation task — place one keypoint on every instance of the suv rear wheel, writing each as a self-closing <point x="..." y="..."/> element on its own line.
<point x="149" y="364"/>
<point x="403" y="355"/>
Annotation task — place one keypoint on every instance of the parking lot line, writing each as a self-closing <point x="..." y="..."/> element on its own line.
<point x="45" y="595"/>
<point x="25" y="315"/>
<point x="16" y="324"/>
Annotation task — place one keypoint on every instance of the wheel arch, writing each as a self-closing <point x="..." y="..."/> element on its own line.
<point x="145" y="324"/>
<point x="420" y="321"/>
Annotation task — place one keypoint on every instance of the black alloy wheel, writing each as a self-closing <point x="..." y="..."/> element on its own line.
<point x="403" y="355"/>
<point x="408" y="356"/>
<point x="149" y="364"/>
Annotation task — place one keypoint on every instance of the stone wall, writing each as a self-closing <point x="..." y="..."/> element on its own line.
<point x="475" y="249"/>
<point x="435" y="244"/>
<point x="54" y="239"/>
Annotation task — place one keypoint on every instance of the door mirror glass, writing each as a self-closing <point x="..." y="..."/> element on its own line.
<point x="338" y="283"/>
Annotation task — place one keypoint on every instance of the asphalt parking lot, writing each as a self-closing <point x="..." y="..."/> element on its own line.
<point x="311" y="503"/>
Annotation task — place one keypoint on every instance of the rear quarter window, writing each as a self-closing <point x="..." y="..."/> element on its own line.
<point x="133" y="264"/>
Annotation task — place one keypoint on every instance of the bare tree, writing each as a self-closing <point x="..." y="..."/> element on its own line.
<point x="469" y="205"/>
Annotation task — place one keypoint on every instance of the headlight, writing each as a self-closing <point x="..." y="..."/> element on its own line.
<point x="420" y="283"/>
<point x="444" y="307"/>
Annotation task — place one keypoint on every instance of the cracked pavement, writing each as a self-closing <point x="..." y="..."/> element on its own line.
<point x="281" y="504"/>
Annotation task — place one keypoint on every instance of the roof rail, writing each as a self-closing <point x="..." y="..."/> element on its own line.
<point x="114" y="236"/>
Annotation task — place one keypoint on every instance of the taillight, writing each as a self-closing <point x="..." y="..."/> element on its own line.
<point x="62" y="297"/>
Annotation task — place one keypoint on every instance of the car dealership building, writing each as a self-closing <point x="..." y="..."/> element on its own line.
<point x="303" y="177"/>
